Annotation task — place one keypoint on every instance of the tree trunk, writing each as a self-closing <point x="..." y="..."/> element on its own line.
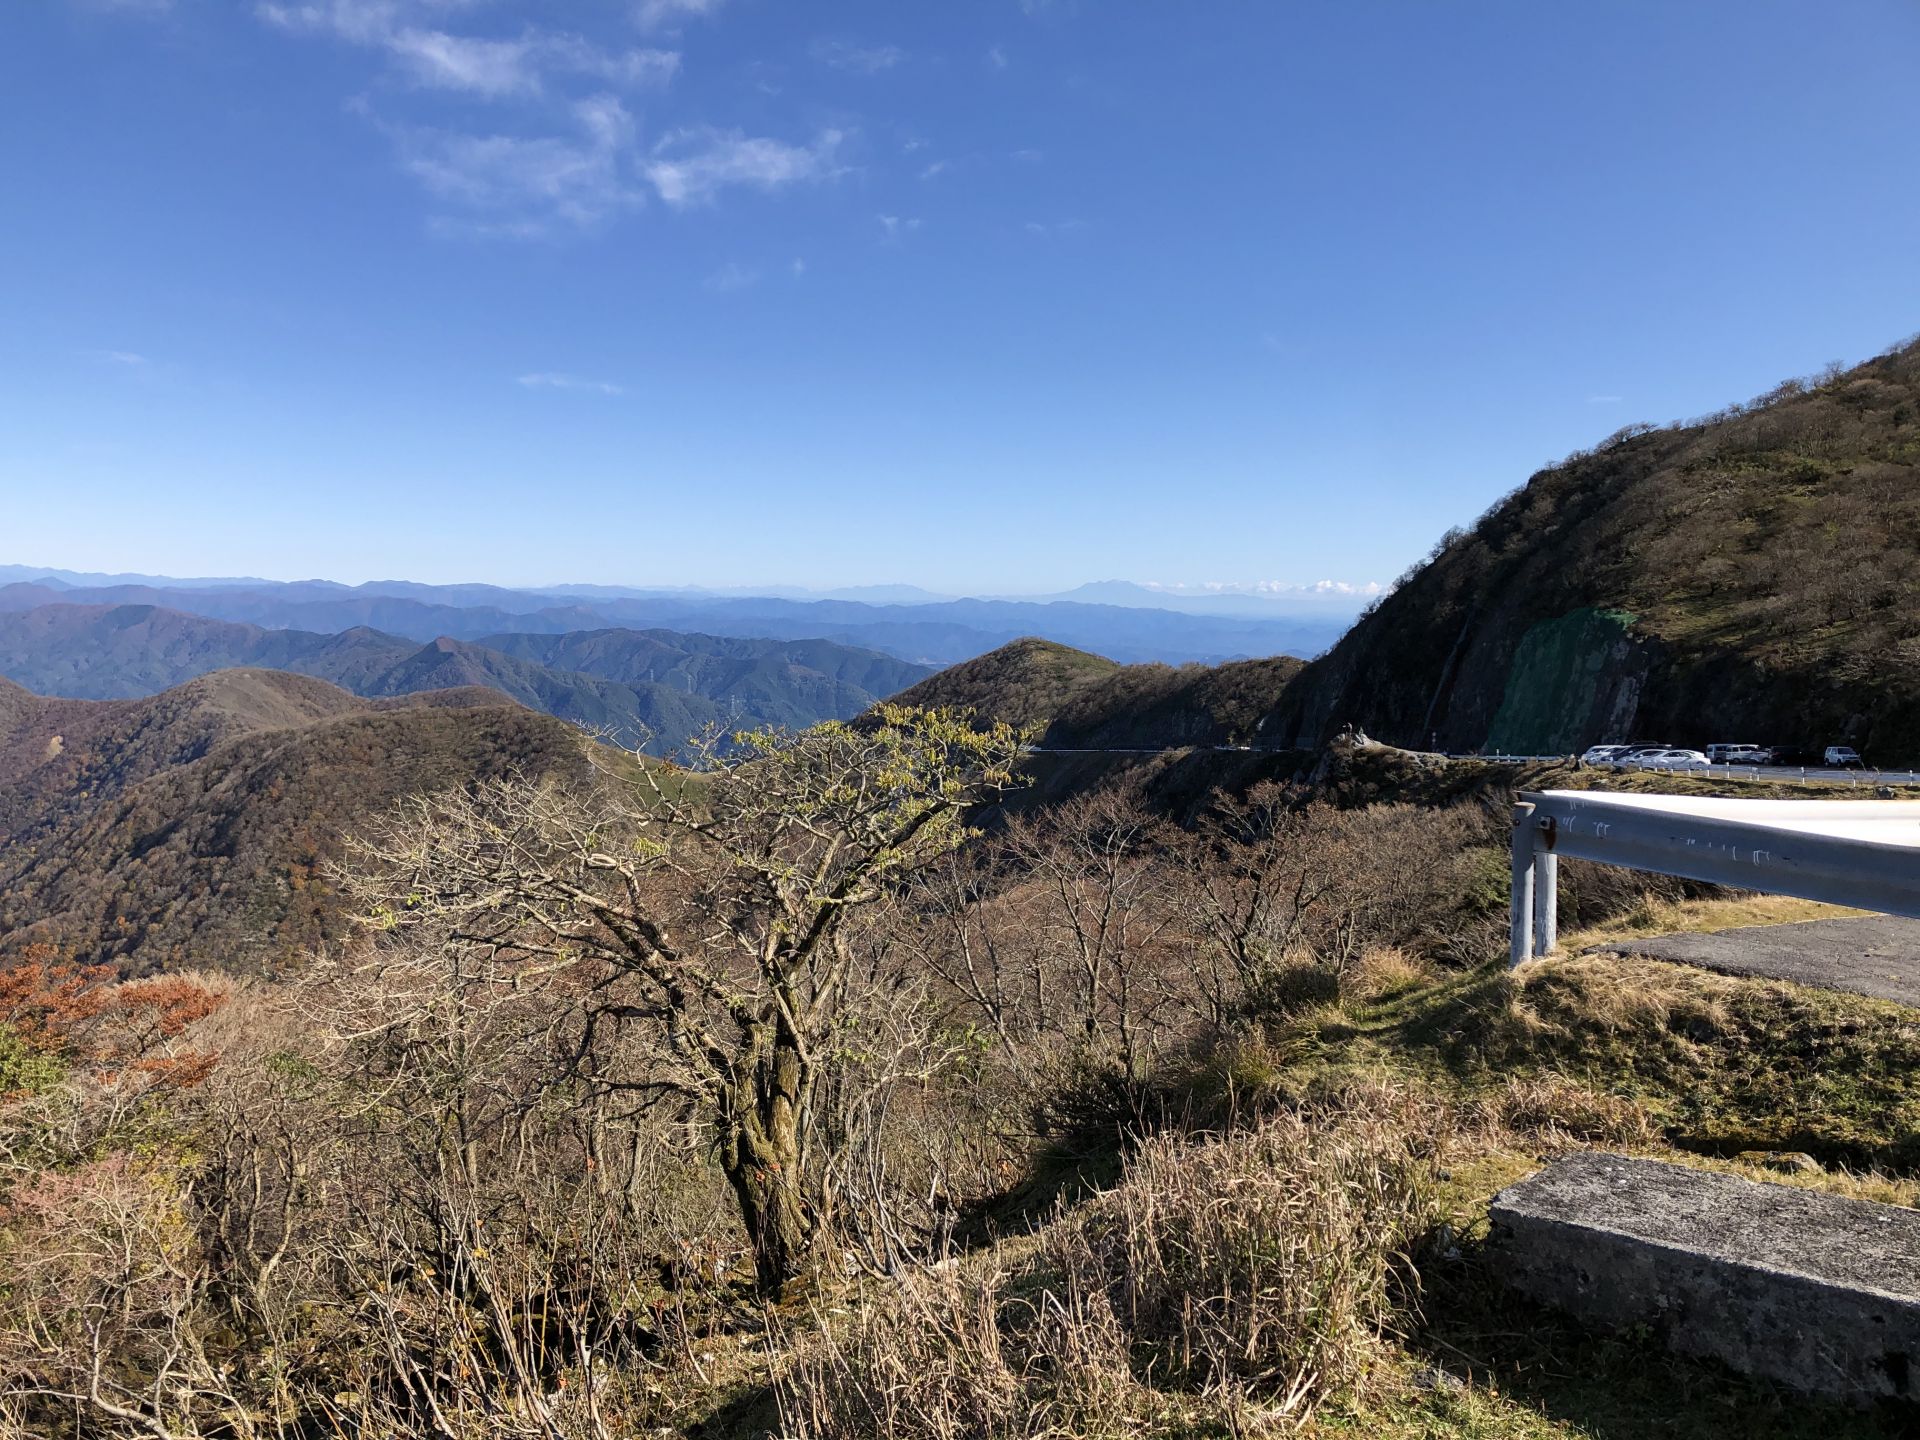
<point x="778" y="1220"/>
<point x="763" y="1153"/>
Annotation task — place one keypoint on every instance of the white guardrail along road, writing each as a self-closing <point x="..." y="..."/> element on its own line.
<point x="1862" y="853"/>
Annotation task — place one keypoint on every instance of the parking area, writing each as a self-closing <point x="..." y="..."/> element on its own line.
<point x="1757" y="763"/>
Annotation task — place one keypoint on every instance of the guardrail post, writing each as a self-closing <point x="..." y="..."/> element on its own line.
<point x="1522" y="906"/>
<point x="1546" y="900"/>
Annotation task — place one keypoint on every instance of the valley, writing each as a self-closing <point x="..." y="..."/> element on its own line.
<point x="653" y="691"/>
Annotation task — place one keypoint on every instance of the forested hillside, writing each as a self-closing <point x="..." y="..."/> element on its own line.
<point x="193" y="828"/>
<point x="1078" y="700"/>
<point x="1750" y="576"/>
<point x="649" y="689"/>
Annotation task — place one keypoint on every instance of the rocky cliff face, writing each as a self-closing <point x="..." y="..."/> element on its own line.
<point x="1582" y="674"/>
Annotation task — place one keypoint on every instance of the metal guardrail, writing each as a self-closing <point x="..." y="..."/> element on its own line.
<point x="1860" y="853"/>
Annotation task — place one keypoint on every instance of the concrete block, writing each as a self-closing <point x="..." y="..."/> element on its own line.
<point x="1818" y="1292"/>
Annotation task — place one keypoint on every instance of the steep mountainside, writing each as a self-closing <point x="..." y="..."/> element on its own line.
<point x="1084" y="701"/>
<point x="653" y="686"/>
<point x="192" y="828"/>
<point x="1752" y="576"/>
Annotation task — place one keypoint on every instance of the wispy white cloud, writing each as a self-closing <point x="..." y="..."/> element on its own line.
<point x="491" y="68"/>
<point x="690" y="166"/>
<point x="893" y="227"/>
<point x="1048" y="229"/>
<point x="1029" y="157"/>
<point x="861" y="59"/>
<point x="117" y="357"/>
<point x="1604" y="399"/>
<point x="553" y="380"/>
<point x="798" y="267"/>
<point x="536" y="178"/>
<point x="662" y="14"/>
<point x="453" y="62"/>
<point x="938" y="167"/>
<point x="1271" y="589"/>
<point x="526" y="186"/>
<point x="503" y="67"/>
<point x="997" y="57"/>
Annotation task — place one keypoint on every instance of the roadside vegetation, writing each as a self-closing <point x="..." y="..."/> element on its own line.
<point x="787" y="1104"/>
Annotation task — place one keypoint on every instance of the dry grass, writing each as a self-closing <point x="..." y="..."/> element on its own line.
<point x="1552" y="1111"/>
<point x="1383" y="970"/>
<point x="1268" y="1260"/>
<point x="956" y="1355"/>
<point x="1227" y="1286"/>
<point x="1613" y="995"/>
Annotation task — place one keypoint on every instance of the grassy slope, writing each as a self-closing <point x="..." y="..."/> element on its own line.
<point x="1718" y="1066"/>
<point x="1641" y="1056"/>
<point x="1645" y="1058"/>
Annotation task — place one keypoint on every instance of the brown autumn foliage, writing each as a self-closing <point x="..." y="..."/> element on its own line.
<point x="195" y="829"/>
<point x="1071" y="698"/>
<point x="437" y="1186"/>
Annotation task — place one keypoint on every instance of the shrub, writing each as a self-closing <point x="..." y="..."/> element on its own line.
<point x="1256" y="1272"/>
<point x="1269" y="1261"/>
<point x="954" y="1356"/>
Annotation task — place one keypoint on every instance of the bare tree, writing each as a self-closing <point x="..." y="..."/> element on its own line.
<point x="707" y="919"/>
<point x="1265" y="879"/>
<point x="1098" y="893"/>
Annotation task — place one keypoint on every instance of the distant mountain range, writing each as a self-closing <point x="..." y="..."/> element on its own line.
<point x="652" y="689"/>
<point x="1129" y="623"/>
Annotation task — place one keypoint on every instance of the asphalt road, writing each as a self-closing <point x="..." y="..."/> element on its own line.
<point x="1876" y="955"/>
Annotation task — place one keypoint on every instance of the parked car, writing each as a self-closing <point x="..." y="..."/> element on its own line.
<point x="1601" y="754"/>
<point x="1732" y="754"/>
<point x="1635" y="752"/>
<point x="1843" y="757"/>
<point x="1672" y="760"/>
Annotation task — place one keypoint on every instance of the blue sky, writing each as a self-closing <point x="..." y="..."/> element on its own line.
<point x="987" y="296"/>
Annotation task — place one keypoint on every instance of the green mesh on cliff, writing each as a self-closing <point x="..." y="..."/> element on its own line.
<point x="1566" y="676"/>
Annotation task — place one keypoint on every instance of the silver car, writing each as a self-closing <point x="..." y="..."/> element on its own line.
<point x="1673" y="760"/>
